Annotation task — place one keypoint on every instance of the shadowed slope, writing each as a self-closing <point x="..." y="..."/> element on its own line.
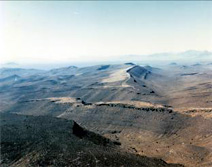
<point x="46" y="141"/>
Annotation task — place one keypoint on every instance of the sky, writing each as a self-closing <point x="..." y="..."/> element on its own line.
<point x="70" y="31"/>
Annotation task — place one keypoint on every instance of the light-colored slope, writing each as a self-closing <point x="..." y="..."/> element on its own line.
<point x="119" y="75"/>
<point x="168" y="86"/>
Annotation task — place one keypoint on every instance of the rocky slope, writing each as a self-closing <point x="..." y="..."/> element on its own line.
<point x="159" y="112"/>
<point x="47" y="141"/>
<point x="141" y="128"/>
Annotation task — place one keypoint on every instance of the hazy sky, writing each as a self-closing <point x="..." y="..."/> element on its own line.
<point x="96" y="31"/>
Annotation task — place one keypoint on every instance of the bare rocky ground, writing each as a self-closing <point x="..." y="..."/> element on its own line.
<point x="140" y="128"/>
<point x="156" y="112"/>
<point x="47" y="141"/>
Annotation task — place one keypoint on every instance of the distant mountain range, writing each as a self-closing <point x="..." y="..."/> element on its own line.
<point x="189" y="56"/>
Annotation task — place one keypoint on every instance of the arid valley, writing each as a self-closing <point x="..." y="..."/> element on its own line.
<point x="106" y="83"/>
<point x="127" y="113"/>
